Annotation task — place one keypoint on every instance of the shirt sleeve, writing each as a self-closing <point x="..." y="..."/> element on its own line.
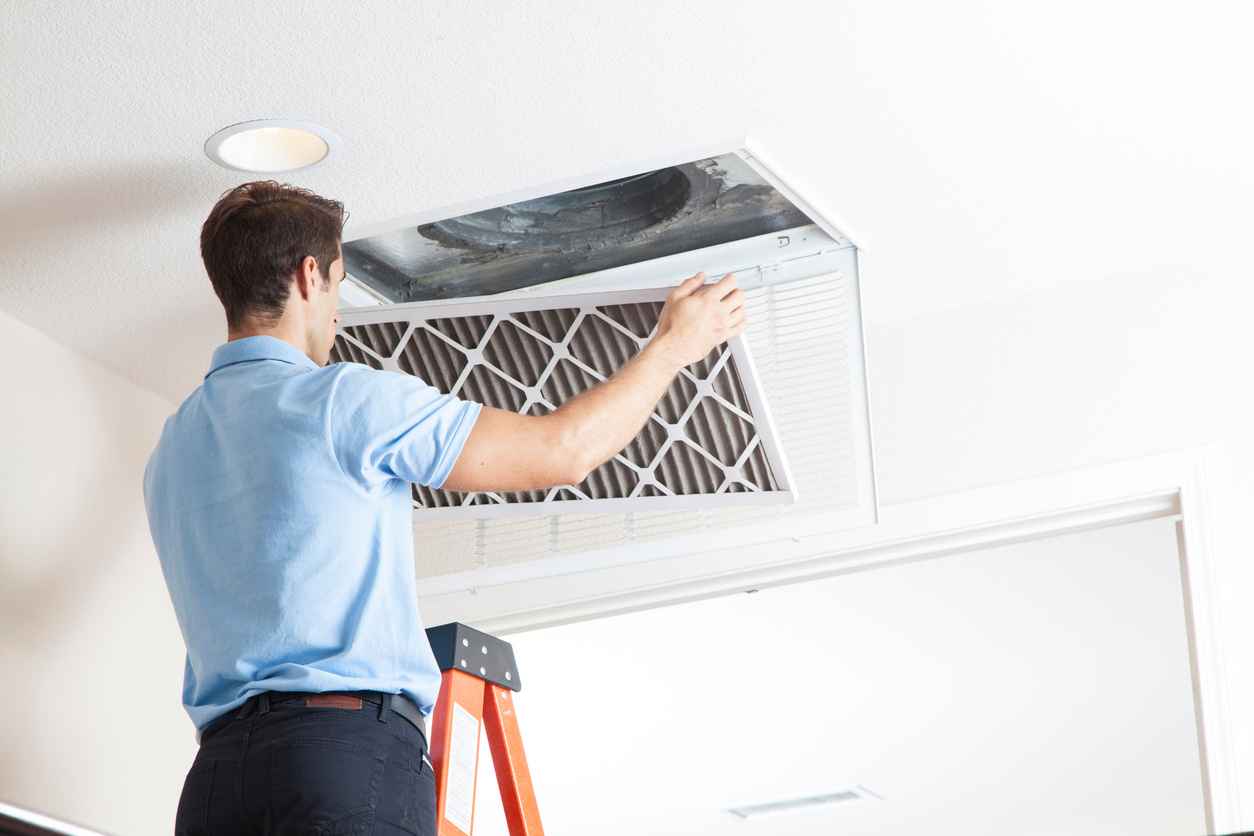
<point x="389" y="425"/>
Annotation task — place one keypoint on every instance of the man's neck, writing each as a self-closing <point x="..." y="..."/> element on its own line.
<point x="289" y="333"/>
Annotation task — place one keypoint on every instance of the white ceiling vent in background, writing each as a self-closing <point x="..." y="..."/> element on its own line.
<point x="844" y="795"/>
<point x="523" y="300"/>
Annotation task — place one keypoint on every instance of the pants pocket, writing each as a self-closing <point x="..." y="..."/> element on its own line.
<point x="323" y="786"/>
<point x="407" y="800"/>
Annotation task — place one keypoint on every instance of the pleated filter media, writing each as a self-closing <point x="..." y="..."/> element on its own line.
<point x="711" y="454"/>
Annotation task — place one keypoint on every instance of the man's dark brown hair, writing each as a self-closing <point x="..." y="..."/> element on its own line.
<point x="255" y="239"/>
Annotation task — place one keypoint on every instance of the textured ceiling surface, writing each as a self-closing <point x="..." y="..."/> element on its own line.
<point x="978" y="149"/>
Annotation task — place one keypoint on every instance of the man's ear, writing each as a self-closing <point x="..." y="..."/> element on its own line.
<point x="306" y="275"/>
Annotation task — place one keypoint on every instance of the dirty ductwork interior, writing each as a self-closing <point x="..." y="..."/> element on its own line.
<point x="523" y="301"/>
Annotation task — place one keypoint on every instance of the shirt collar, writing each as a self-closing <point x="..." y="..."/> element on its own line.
<point x="260" y="347"/>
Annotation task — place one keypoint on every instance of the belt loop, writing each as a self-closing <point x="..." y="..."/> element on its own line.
<point x="264" y="703"/>
<point x="385" y="703"/>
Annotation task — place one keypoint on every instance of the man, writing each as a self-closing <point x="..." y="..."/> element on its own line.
<point x="279" y="503"/>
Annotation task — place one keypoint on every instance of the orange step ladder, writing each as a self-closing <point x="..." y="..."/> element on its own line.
<point x="476" y="692"/>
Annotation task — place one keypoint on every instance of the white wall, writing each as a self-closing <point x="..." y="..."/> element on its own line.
<point x="91" y="725"/>
<point x="1034" y="688"/>
<point x="1080" y="375"/>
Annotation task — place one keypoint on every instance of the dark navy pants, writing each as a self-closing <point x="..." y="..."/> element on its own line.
<point x="287" y="768"/>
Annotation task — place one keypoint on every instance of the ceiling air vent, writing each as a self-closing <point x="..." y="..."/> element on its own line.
<point x="522" y="300"/>
<point x="709" y="440"/>
<point x="842" y="796"/>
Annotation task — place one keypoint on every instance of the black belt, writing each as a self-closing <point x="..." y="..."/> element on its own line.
<point x="351" y="700"/>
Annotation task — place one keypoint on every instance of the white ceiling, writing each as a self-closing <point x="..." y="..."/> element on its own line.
<point x="1037" y="689"/>
<point x="980" y="149"/>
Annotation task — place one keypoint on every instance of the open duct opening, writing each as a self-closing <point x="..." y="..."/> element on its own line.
<point x="627" y="220"/>
<point x="601" y="215"/>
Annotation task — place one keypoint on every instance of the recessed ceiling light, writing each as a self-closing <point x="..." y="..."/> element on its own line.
<point x="270" y="145"/>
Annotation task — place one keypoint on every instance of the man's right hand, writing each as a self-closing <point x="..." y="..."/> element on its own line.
<point x="697" y="317"/>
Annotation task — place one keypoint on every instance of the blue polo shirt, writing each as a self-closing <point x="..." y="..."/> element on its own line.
<point x="278" y="499"/>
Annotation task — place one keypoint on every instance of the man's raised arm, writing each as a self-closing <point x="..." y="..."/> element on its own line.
<point x="510" y="452"/>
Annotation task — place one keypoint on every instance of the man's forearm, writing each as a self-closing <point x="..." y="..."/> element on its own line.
<point x="597" y="423"/>
<point x="506" y="451"/>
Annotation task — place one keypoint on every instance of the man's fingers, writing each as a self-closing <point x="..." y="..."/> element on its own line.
<point x="723" y="286"/>
<point x="735" y="299"/>
<point x="687" y="286"/>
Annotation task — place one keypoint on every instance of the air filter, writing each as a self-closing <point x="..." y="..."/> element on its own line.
<point x="708" y="442"/>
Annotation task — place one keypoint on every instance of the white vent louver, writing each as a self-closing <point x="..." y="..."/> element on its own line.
<point x="709" y="436"/>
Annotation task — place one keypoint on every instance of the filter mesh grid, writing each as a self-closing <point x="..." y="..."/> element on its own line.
<point x="701" y="439"/>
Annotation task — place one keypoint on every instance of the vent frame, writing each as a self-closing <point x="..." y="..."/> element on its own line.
<point x="465" y="558"/>
<point x="409" y="316"/>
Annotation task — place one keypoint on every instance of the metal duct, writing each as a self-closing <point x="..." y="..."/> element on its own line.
<point x="626" y="220"/>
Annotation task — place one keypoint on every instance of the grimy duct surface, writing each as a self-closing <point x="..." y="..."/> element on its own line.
<point x="701" y="439"/>
<point x="624" y="221"/>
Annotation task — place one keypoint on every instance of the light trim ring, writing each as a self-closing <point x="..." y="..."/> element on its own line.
<point x="271" y="146"/>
